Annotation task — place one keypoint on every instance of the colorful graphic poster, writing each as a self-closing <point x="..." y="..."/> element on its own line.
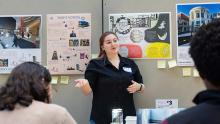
<point x="68" y="43"/>
<point x="189" y="18"/>
<point x="142" y="35"/>
<point x="20" y="40"/>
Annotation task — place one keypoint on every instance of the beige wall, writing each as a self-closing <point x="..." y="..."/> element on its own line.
<point x="165" y="83"/>
<point x="160" y="83"/>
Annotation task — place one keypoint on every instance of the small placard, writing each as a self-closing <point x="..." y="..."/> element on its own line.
<point x="166" y="103"/>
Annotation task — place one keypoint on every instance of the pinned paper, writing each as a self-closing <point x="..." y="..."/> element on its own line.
<point x="186" y="72"/>
<point x="64" y="79"/>
<point x="54" y="80"/>
<point x="161" y="64"/>
<point x="172" y="63"/>
<point x="195" y="73"/>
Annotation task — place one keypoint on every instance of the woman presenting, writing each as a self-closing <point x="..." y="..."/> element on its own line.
<point x="112" y="79"/>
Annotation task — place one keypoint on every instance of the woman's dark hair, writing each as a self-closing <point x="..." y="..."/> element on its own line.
<point x="205" y="51"/>
<point x="101" y="42"/>
<point x="27" y="82"/>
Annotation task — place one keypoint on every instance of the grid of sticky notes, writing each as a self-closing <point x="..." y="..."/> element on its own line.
<point x="60" y="79"/>
<point x="163" y="64"/>
<point x="186" y="71"/>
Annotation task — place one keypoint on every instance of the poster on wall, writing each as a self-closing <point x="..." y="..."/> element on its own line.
<point x="20" y="40"/>
<point x="68" y="43"/>
<point x="142" y="35"/>
<point x="189" y="18"/>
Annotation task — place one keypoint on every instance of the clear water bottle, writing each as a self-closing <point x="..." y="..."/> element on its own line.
<point x="117" y="116"/>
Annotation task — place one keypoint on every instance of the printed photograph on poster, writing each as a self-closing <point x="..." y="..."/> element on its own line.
<point x="68" y="43"/>
<point x="20" y="39"/>
<point x="189" y="18"/>
<point x="143" y="35"/>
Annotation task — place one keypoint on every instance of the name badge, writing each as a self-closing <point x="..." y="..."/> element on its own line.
<point x="127" y="69"/>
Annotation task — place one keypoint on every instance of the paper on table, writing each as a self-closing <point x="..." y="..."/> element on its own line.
<point x="54" y="80"/>
<point x="161" y="64"/>
<point x="64" y="79"/>
<point x="186" y="72"/>
<point x="172" y="63"/>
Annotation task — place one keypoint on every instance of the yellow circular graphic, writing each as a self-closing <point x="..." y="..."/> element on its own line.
<point x="158" y="50"/>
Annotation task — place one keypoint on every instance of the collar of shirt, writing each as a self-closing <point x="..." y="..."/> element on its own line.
<point x="121" y="64"/>
<point x="208" y="96"/>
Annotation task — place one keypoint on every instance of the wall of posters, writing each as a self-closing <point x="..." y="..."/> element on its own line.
<point x="68" y="43"/>
<point x="20" y="40"/>
<point x="189" y="18"/>
<point x="142" y="35"/>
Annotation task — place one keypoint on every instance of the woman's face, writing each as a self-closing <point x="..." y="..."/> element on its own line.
<point x="111" y="45"/>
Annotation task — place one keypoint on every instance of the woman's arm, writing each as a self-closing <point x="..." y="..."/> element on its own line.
<point x="135" y="87"/>
<point x="137" y="84"/>
<point x="83" y="84"/>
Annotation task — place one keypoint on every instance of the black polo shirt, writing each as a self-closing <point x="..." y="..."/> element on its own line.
<point x="109" y="86"/>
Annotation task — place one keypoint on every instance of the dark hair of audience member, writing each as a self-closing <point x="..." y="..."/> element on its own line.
<point x="27" y="82"/>
<point x="205" y="51"/>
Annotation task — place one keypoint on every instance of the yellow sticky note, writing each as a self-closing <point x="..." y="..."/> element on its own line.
<point x="195" y="73"/>
<point x="161" y="64"/>
<point x="186" y="72"/>
<point x="64" y="79"/>
<point x="172" y="63"/>
<point x="54" y="80"/>
<point x="94" y="56"/>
